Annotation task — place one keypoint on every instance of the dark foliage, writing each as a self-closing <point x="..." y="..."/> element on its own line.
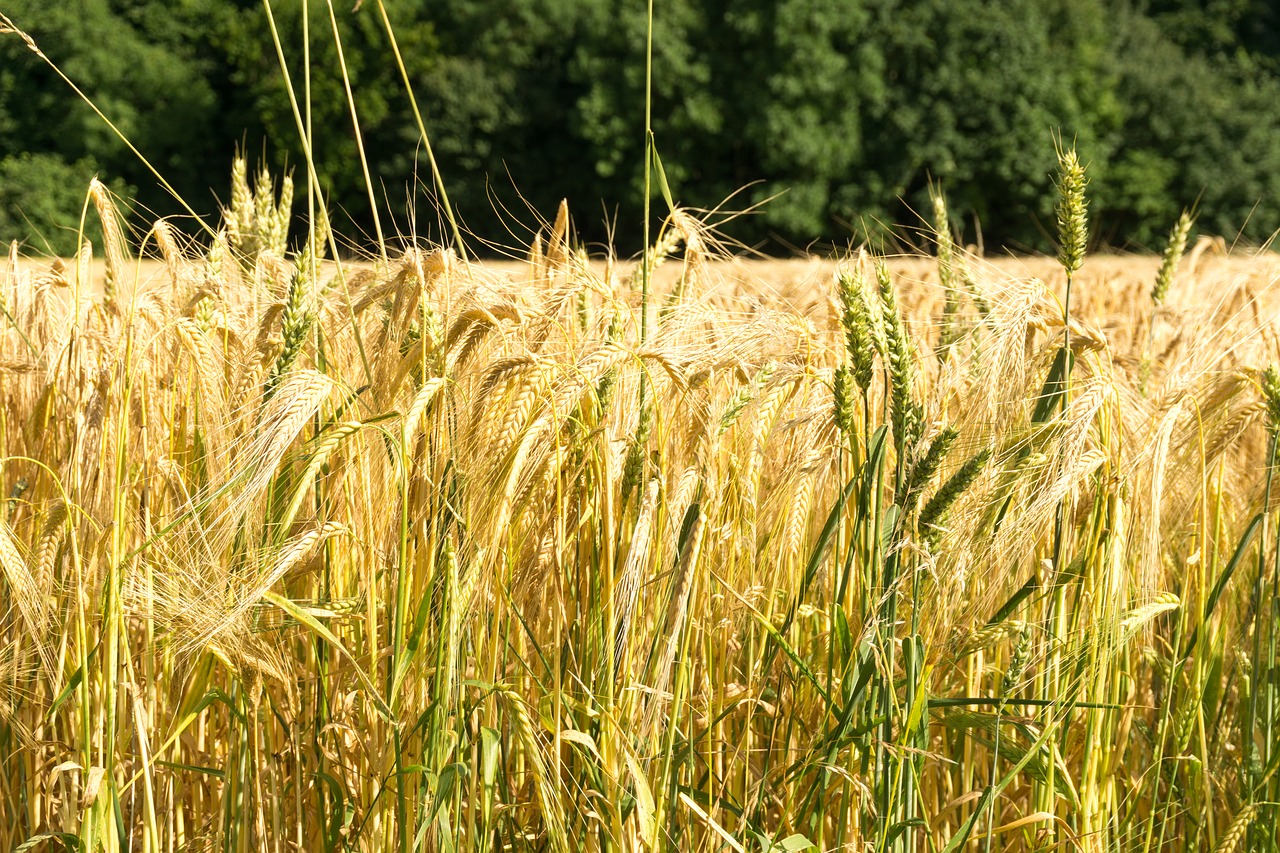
<point x="837" y="115"/>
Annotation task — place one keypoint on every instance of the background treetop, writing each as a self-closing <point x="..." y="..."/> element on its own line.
<point x="838" y="114"/>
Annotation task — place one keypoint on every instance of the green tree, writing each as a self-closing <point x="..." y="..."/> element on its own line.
<point x="132" y="60"/>
<point x="1195" y="127"/>
<point x="258" y="95"/>
<point x="975" y="91"/>
<point x="838" y="113"/>
<point x="41" y="200"/>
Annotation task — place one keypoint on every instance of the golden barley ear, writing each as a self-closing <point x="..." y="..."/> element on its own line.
<point x="114" y="245"/>
<point x="558" y="245"/>
<point x="1230" y="840"/>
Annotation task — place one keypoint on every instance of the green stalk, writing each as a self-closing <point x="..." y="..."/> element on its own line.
<point x="1263" y="616"/>
<point x="314" y="194"/>
<point x="648" y="166"/>
<point x="1072" y="212"/>
<point x="355" y="126"/>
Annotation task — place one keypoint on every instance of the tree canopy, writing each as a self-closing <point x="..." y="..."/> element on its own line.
<point x="828" y="120"/>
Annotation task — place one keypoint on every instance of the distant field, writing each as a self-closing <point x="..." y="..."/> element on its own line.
<point x="1111" y="289"/>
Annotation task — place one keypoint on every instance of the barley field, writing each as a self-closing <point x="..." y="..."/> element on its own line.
<point x="673" y="554"/>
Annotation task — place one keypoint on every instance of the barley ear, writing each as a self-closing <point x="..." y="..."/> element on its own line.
<point x="1172" y="257"/>
<point x="113" y="242"/>
<point x="855" y="318"/>
<point x="946" y="274"/>
<point x="1072" y="211"/>
<point x="936" y="508"/>
<point x="1270" y="382"/>
<point x="899" y="354"/>
<point x="628" y="587"/>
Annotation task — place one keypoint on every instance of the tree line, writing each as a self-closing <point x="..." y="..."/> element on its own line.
<point x="801" y="122"/>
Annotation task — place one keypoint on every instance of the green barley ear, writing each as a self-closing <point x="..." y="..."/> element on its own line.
<point x="1172" y="256"/>
<point x="946" y="273"/>
<point x="1271" y="396"/>
<point x="1072" y="211"/>
<point x="295" y="323"/>
<point x="928" y="464"/>
<point x="855" y="318"/>
<point x="1018" y="663"/>
<point x="936" y="508"/>
<point x="899" y="355"/>
<point x="633" y="468"/>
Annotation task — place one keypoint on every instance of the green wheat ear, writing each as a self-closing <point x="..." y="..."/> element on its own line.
<point x="256" y="221"/>
<point x="1072" y="211"/>
<point x="633" y="467"/>
<point x="1271" y="396"/>
<point x="1017" y="663"/>
<point x="937" y="507"/>
<point x="295" y="323"/>
<point x="928" y="465"/>
<point x="859" y="329"/>
<point x="899" y="354"/>
<point x="299" y="310"/>
<point x="1172" y="257"/>
<point x="946" y="274"/>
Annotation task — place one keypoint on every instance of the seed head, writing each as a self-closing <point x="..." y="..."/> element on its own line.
<point x="899" y="354"/>
<point x="946" y="245"/>
<point x="948" y="493"/>
<point x="859" y="330"/>
<point x="1271" y="395"/>
<point x="928" y="464"/>
<point x="1017" y="663"/>
<point x="1172" y="255"/>
<point x="1072" y="211"/>
<point x="295" y="323"/>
